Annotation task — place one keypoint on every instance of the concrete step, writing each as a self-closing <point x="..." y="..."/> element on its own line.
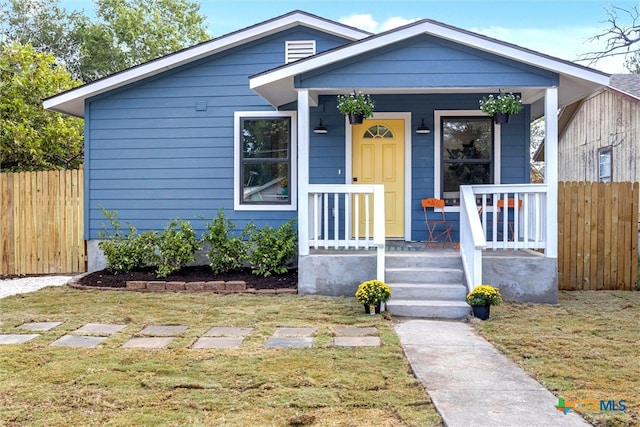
<point x="412" y="291"/>
<point x="423" y="260"/>
<point x="419" y="275"/>
<point x="428" y="309"/>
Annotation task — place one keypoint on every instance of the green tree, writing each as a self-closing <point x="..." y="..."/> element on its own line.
<point x="131" y="32"/>
<point x="32" y="138"/>
<point x="46" y="27"/>
<point x="123" y="34"/>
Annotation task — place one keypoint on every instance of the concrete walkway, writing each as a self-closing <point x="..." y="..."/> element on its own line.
<point x="473" y="384"/>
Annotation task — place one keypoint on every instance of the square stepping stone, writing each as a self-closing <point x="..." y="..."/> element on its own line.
<point x="297" y="342"/>
<point x="77" y="341"/>
<point x="150" y="342"/>
<point x="356" y="332"/>
<point x="160" y="330"/>
<point x="39" y="326"/>
<point x="17" y="338"/>
<point x="294" y="332"/>
<point x="356" y="341"/>
<point x="218" y="342"/>
<point x="219" y="331"/>
<point x="99" y="329"/>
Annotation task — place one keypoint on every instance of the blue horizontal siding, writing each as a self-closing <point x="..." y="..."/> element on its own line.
<point x="152" y="156"/>
<point x="426" y="61"/>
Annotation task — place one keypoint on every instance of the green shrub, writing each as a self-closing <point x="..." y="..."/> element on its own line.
<point x="272" y="248"/>
<point x="177" y="246"/>
<point x="126" y="251"/>
<point x="226" y="251"/>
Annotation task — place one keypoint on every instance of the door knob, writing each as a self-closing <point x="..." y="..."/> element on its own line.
<point x="355" y="179"/>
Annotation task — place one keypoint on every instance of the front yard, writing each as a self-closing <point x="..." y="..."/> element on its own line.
<point x="586" y="348"/>
<point x="324" y="385"/>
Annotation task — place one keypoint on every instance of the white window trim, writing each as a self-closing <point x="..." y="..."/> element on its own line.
<point x="293" y="156"/>
<point x="608" y="149"/>
<point x="437" y="143"/>
<point x="408" y="165"/>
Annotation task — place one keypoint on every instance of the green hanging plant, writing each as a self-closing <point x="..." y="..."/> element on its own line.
<point x="505" y="103"/>
<point x="356" y="103"/>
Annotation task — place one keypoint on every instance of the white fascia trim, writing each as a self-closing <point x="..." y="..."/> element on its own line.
<point x="408" y="169"/>
<point x="293" y="157"/>
<point x="437" y="159"/>
<point x="435" y="30"/>
<point x="57" y="103"/>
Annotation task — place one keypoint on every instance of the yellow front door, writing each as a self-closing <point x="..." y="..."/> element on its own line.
<point x="378" y="158"/>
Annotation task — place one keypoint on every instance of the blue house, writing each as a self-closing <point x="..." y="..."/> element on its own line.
<point x="248" y="122"/>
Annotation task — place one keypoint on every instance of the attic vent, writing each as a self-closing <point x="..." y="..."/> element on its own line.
<point x="299" y="49"/>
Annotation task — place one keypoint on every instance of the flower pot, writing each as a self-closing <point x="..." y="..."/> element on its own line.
<point x="367" y="309"/>
<point x="356" y="119"/>
<point x="481" y="311"/>
<point x="501" y="118"/>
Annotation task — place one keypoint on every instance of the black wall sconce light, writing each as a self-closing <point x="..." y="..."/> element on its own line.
<point x="423" y="129"/>
<point x="320" y="128"/>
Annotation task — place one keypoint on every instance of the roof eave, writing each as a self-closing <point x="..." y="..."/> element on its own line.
<point x="72" y="101"/>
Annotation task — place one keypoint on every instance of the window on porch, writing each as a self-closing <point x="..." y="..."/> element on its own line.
<point x="466" y="153"/>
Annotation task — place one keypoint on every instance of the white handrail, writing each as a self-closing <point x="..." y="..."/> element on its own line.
<point x="330" y="210"/>
<point x="499" y="217"/>
<point x="472" y="239"/>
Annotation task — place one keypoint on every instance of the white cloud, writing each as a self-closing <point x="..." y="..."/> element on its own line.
<point x="366" y="22"/>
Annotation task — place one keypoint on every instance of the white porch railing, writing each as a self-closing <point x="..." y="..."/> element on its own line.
<point x="499" y="217"/>
<point x="332" y="208"/>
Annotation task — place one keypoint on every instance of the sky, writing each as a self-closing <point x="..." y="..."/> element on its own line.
<point x="554" y="27"/>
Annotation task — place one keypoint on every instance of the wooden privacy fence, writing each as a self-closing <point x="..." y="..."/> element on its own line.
<point x="41" y="223"/>
<point x="597" y="235"/>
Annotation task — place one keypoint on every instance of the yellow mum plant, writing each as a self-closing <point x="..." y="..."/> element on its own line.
<point x="373" y="292"/>
<point x="484" y="295"/>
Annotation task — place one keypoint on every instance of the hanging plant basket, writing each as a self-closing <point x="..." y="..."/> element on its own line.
<point x="501" y="107"/>
<point x="356" y="119"/>
<point x="501" y="118"/>
<point x="357" y="106"/>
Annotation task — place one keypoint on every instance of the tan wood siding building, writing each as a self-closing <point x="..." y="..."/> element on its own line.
<point x="601" y="129"/>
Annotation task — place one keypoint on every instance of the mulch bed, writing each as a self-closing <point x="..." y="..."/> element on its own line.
<point x="105" y="279"/>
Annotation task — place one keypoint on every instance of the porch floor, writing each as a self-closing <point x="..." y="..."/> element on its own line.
<point x="402" y="246"/>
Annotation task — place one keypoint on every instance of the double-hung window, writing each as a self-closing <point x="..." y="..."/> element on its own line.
<point x="264" y="170"/>
<point x="466" y="154"/>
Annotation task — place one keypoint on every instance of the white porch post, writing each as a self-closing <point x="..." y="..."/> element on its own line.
<point x="551" y="170"/>
<point x="303" y="172"/>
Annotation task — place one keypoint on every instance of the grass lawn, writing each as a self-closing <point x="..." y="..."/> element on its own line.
<point x="53" y="386"/>
<point x="585" y="348"/>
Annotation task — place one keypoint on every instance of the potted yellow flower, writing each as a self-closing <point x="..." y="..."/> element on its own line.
<point x="372" y="293"/>
<point x="481" y="298"/>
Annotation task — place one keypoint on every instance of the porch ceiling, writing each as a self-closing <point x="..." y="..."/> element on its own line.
<point x="570" y="91"/>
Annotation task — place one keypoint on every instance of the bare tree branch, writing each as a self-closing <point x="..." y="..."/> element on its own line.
<point x="621" y="38"/>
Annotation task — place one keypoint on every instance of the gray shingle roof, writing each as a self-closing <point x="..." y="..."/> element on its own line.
<point x="629" y="83"/>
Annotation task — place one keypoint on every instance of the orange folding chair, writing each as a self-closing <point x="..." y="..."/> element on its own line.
<point x="435" y="235"/>
<point x="503" y="215"/>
